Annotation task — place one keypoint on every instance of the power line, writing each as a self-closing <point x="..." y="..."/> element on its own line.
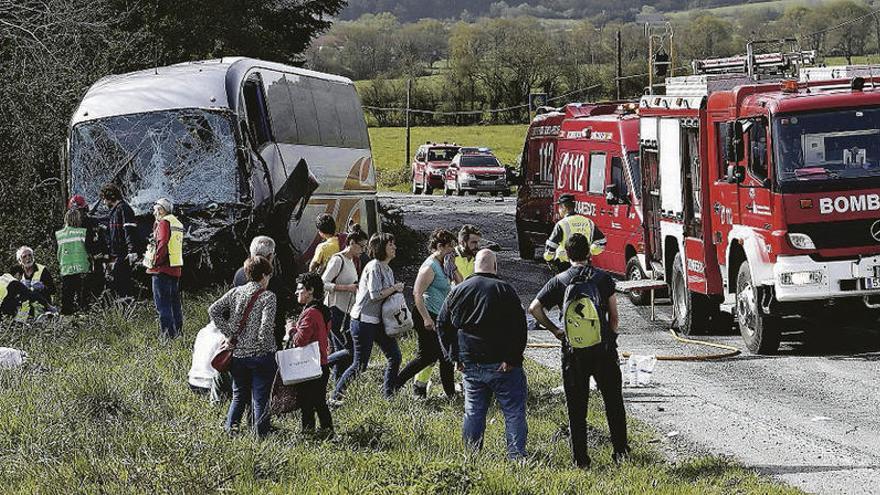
<point x="843" y="24"/>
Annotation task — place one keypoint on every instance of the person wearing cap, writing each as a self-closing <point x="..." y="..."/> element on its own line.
<point x="124" y="240"/>
<point x="164" y="260"/>
<point x="74" y="262"/>
<point x="570" y="223"/>
<point x="35" y="277"/>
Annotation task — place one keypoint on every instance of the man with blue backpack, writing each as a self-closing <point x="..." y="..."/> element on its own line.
<point x="589" y="344"/>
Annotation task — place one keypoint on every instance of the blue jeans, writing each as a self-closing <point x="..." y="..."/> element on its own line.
<point x="340" y="339"/>
<point x="364" y="335"/>
<point x="251" y="376"/>
<point x="481" y="381"/>
<point x="166" y="295"/>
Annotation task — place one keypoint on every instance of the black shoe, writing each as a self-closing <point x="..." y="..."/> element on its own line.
<point x="420" y="390"/>
<point x="584" y="464"/>
<point x="619" y="457"/>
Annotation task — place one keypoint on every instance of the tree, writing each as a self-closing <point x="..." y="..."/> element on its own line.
<point x="705" y="36"/>
<point x="850" y="39"/>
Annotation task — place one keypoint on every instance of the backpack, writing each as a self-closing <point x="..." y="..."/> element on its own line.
<point x="580" y="311"/>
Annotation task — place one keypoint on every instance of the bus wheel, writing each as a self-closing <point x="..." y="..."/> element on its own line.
<point x="415" y="188"/>
<point x="760" y="332"/>
<point x="634" y="272"/>
<point x="526" y="248"/>
<point x="691" y="310"/>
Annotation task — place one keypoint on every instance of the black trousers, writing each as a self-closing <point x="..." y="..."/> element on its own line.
<point x="429" y="352"/>
<point x="73" y="293"/>
<point x="578" y="365"/>
<point x="312" y="397"/>
<point x="16" y="295"/>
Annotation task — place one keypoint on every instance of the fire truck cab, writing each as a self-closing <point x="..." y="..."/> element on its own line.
<point x="764" y="193"/>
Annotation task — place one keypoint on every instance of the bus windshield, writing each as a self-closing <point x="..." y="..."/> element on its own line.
<point x="187" y="155"/>
<point x="838" y="144"/>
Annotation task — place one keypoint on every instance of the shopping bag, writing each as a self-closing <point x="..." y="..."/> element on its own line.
<point x="284" y="399"/>
<point x="396" y="315"/>
<point x="208" y="341"/>
<point x="299" y="364"/>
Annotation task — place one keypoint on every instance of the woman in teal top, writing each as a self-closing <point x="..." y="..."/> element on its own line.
<point x="430" y="291"/>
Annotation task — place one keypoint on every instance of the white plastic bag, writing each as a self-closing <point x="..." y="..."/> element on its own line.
<point x="11" y="358"/>
<point x="638" y="370"/>
<point x="208" y="341"/>
<point x="396" y="315"/>
<point x="299" y="364"/>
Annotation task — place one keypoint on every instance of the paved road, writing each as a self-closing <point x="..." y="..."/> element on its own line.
<point x="808" y="416"/>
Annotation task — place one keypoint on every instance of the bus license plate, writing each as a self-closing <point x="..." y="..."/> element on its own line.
<point x="871" y="282"/>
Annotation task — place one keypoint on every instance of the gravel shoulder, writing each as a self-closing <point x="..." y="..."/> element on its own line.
<point x="807" y="417"/>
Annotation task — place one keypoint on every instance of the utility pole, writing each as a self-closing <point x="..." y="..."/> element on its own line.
<point x="619" y="71"/>
<point x="408" y="94"/>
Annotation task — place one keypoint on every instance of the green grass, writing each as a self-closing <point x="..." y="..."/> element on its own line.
<point x="389" y="146"/>
<point x="103" y="407"/>
<point x="732" y="11"/>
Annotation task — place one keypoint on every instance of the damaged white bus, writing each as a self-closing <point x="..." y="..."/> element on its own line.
<point x="242" y="146"/>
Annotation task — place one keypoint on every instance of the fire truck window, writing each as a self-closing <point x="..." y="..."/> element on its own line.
<point x="635" y="171"/>
<point x="618" y="177"/>
<point x="758" y="149"/>
<point x="597" y="173"/>
<point x="691" y="165"/>
<point x="721" y="145"/>
<point x="255" y="104"/>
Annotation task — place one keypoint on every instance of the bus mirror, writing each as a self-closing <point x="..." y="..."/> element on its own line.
<point x="734" y="143"/>
<point x="736" y="174"/>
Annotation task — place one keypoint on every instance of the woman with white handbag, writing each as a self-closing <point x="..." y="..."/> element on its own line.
<point x="376" y="285"/>
<point x="313" y="326"/>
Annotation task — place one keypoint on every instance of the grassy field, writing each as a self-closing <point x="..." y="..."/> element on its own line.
<point x="389" y="146"/>
<point x="103" y="407"/>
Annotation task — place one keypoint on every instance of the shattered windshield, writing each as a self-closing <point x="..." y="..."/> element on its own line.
<point x="187" y="155"/>
<point x="842" y="144"/>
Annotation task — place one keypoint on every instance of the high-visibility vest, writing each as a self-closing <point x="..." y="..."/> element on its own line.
<point x="72" y="255"/>
<point x="175" y="244"/>
<point x="574" y="224"/>
<point x="463" y="264"/>
<point x="24" y="311"/>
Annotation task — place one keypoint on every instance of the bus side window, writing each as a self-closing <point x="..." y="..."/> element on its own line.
<point x="255" y="104"/>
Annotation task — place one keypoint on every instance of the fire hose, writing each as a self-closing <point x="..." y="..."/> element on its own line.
<point x="730" y="351"/>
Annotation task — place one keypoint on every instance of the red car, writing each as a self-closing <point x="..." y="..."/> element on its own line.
<point x="429" y="166"/>
<point x="476" y="170"/>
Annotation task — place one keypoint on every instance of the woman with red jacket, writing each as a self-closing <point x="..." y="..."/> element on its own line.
<point x="313" y="325"/>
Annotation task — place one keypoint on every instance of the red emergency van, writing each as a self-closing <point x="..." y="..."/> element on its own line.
<point x="597" y="160"/>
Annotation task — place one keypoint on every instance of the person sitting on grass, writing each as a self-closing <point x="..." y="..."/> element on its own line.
<point x="313" y="325"/>
<point x="35" y="277"/>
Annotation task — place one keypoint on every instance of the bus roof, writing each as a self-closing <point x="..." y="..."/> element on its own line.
<point x="208" y="84"/>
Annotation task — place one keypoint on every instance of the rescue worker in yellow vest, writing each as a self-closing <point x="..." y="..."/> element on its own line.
<point x="74" y="261"/>
<point x="13" y="294"/>
<point x="570" y="223"/>
<point x="37" y="278"/>
<point x="164" y="261"/>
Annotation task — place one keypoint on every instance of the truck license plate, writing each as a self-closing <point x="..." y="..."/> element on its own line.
<point x="871" y="282"/>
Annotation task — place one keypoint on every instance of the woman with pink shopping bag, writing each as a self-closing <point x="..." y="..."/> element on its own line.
<point x="313" y="326"/>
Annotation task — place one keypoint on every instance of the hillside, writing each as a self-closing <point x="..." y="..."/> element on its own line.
<point x="624" y="10"/>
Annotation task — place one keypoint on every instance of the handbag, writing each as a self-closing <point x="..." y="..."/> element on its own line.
<point x="222" y="361"/>
<point x="396" y="315"/>
<point x="299" y="364"/>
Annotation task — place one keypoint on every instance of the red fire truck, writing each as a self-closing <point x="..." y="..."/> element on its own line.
<point x="428" y="168"/>
<point x="765" y="193"/>
<point x="594" y="156"/>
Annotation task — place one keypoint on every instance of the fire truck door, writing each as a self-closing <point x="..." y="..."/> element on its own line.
<point x="650" y="164"/>
<point x="724" y="194"/>
<point x="755" y="200"/>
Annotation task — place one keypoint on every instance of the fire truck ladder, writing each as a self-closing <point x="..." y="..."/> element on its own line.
<point x="763" y="64"/>
<point x="661" y="59"/>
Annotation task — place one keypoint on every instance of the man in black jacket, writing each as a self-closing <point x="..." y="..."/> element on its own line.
<point x="483" y="329"/>
<point x="124" y="240"/>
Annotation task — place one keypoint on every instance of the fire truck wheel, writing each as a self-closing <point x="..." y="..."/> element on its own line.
<point x="458" y="191"/>
<point x="447" y="191"/>
<point x="634" y="272"/>
<point x="526" y="248"/>
<point x="428" y="190"/>
<point x="415" y="188"/>
<point x="759" y="331"/>
<point x="691" y="310"/>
